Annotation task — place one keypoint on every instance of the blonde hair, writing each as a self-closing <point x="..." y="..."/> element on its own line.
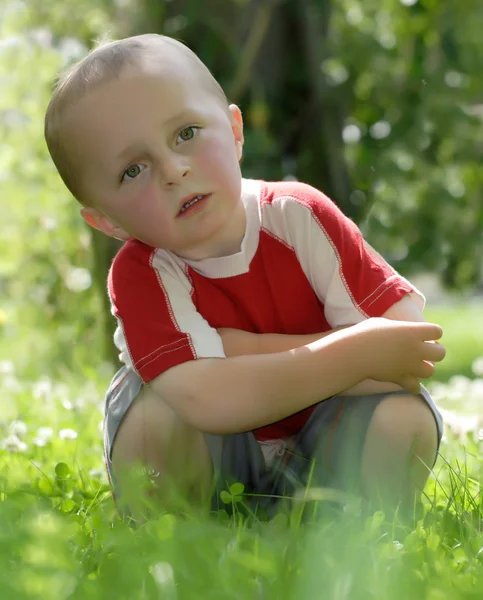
<point x="104" y="63"/>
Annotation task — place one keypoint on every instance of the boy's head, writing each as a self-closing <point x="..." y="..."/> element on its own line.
<point x="138" y="130"/>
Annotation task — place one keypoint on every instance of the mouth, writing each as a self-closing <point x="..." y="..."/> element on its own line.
<point x="190" y="201"/>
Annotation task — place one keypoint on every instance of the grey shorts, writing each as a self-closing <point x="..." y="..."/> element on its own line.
<point x="271" y="470"/>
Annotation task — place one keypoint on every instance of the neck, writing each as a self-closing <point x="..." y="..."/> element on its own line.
<point x="227" y="242"/>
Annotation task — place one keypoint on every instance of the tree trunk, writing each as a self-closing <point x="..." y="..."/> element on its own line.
<point x="320" y="145"/>
<point x="104" y="250"/>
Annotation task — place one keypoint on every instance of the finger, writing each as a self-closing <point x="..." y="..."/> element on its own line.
<point x="410" y="384"/>
<point x="425" y="369"/>
<point x="430" y="331"/>
<point x="434" y="351"/>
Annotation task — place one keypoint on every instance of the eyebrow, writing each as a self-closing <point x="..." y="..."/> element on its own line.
<point x="139" y="147"/>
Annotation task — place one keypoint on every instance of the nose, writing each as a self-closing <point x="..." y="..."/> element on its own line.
<point x="174" y="169"/>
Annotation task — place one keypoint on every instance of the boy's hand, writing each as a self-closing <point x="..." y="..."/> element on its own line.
<point x="401" y="352"/>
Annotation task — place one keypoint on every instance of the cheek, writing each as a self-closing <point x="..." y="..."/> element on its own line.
<point x="217" y="158"/>
<point x="143" y="211"/>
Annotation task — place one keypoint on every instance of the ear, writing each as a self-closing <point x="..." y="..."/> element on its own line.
<point x="237" y="128"/>
<point x="99" y="221"/>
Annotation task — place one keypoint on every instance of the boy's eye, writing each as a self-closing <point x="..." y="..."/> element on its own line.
<point x="188" y="133"/>
<point x="132" y="172"/>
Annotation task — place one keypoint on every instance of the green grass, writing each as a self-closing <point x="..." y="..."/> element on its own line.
<point x="60" y="537"/>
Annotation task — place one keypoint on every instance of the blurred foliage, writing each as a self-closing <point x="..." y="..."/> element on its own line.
<point x="376" y="102"/>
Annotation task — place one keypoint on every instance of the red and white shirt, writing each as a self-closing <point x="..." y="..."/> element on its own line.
<point x="303" y="268"/>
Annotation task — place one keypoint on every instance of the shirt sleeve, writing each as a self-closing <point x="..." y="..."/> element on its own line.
<point x="158" y="325"/>
<point x="350" y="278"/>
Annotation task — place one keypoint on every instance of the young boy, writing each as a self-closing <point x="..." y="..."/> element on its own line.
<point x="248" y="312"/>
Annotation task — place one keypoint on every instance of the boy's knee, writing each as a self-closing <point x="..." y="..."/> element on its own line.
<point x="399" y="451"/>
<point x="408" y="424"/>
<point x="151" y="431"/>
<point x="155" y="446"/>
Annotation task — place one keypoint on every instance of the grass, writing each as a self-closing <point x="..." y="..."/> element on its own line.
<point x="60" y="537"/>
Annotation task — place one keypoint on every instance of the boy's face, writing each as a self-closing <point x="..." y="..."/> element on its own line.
<point x="157" y="158"/>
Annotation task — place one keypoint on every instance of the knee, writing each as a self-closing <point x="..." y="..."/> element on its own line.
<point x="408" y="424"/>
<point x="158" y="457"/>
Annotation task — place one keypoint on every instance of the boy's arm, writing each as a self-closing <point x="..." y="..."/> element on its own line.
<point x="232" y="395"/>
<point x="238" y="343"/>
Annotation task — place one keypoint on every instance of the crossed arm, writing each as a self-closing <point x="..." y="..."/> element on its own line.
<point x="247" y="391"/>
<point x="241" y="343"/>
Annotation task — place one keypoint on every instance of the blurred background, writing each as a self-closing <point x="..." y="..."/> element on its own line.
<point x="377" y="103"/>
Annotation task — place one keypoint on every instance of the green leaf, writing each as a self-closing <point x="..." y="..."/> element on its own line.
<point x="433" y="541"/>
<point x="46" y="487"/>
<point x="226" y="497"/>
<point x="62" y="470"/>
<point x="223" y="516"/>
<point x="67" y="505"/>
<point x="236" y="489"/>
<point x="264" y="565"/>
<point x="373" y="523"/>
<point x="166" y="526"/>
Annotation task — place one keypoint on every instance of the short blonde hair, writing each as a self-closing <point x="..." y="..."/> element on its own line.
<point x="104" y="63"/>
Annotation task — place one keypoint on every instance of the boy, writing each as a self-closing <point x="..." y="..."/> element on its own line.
<point x="245" y="309"/>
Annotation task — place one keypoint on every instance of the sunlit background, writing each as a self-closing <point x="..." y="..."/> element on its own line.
<point x="379" y="104"/>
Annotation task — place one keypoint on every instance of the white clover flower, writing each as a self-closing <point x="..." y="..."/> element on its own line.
<point x="18" y="428"/>
<point x="459" y="383"/>
<point x="12" y="384"/>
<point x="461" y="424"/>
<point x="43" y="436"/>
<point x="42" y="389"/>
<point x="163" y="573"/>
<point x="49" y="223"/>
<point x="67" y="434"/>
<point x="13" y="444"/>
<point x="7" y="367"/>
<point x="439" y="391"/>
<point x="97" y="474"/>
<point x="45" y="432"/>
<point x="39" y="441"/>
<point x="67" y="404"/>
<point x="9" y="409"/>
<point x="477" y="390"/>
<point x="477" y="367"/>
<point x="79" y="403"/>
<point x="458" y="388"/>
<point x="61" y="390"/>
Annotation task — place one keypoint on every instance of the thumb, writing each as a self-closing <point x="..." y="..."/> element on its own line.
<point x="410" y="384"/>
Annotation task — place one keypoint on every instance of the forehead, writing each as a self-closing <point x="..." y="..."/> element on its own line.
<point x="136" y="97"/>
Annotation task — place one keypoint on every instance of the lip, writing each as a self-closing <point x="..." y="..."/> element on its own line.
<point x="188" y="199"/>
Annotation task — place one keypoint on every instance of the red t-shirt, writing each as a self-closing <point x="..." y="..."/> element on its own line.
<point x="303" y="268"/>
